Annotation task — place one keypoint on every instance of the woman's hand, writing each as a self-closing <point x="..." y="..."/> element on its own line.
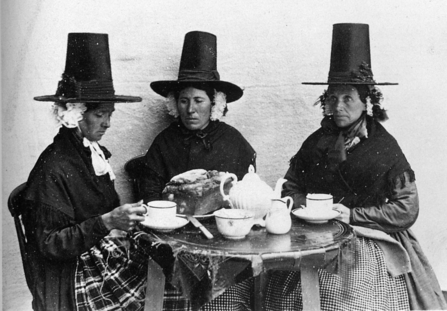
<point x="345" y="212"/>
<point x="125" y="217"/>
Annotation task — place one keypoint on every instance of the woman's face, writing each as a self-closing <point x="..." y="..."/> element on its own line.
<point x="96" y="121"/>
<point x="344" y="103"/>
<point x="194" y="107"/>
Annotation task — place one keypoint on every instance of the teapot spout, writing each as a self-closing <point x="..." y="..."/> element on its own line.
<point x="278" y="188"/>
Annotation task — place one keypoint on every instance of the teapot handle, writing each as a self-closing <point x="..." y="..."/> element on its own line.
<point x="289" y="202"/>
<point x="222" y="184"/>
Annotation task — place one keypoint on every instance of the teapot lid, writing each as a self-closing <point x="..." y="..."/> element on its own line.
<point x="251" y="175"/>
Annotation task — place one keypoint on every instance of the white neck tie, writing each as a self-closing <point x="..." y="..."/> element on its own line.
<point x="100" y="164"/>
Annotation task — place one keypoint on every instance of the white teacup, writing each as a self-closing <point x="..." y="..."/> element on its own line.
<point x="319" y="203"/>
<point x="161" y="211"/>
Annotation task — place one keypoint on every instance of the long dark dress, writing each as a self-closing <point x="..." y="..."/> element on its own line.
<point x="377" y="184"/>
<point x="64" y="200"/>
<point x="175" y="150"/>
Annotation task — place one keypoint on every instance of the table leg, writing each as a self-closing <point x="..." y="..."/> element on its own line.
<point x="309" y="284"/>
<point x="155" y="287"/>
<point x="259" y="295"/>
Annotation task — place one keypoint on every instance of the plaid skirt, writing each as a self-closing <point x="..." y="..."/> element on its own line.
<point x="366" y="285"/>
<point x="112" y="275"/>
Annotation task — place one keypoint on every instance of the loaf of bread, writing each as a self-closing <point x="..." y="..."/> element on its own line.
<point x="195" y="182"/>
<point x="196" y="191"/>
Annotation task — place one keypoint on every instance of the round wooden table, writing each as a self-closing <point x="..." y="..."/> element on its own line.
<point x="306" y="247"/>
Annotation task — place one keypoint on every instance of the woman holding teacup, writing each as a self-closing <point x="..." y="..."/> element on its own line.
<point x="74" y="221"/>
<point x="353" y="158"/>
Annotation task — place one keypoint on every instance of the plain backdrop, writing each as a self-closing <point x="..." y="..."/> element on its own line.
<point x="267" y="47"/>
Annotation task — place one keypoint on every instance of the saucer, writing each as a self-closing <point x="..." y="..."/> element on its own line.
<point x="313" y="217"/>
<point x="176" y="223"/>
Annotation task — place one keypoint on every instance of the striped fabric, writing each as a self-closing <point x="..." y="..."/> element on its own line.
<point x="174" y="301"/>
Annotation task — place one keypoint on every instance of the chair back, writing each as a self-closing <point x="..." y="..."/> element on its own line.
<point x="15" y="205"/>
<point x="135" y="168"/>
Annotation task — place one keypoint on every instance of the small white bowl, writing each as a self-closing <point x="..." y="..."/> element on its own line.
<point x="234" y="224"/>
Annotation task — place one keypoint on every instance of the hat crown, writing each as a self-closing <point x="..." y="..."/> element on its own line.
<point x="199" y="52"/>
<point x="88" y="57"/>
<point x="350" y="56"/>
<point x="350" y="48"/>
<point x="88" y="73"/>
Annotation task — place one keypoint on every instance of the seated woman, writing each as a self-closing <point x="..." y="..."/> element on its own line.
<point x="356" y="160"/>
<point x="197" y="139"/>
<point x="71" y="202"/>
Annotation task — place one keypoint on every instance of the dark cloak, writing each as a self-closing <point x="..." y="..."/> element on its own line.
<point x="176" y="150"/>
<point x="64" y="201"/>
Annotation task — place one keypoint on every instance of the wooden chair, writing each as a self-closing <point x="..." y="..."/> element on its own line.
<point x="15" y="206"/>
<point x="134" y="168"/>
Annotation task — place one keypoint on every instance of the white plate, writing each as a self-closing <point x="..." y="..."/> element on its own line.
<point x="165" y="227"/>
<point x="313" y="217"/>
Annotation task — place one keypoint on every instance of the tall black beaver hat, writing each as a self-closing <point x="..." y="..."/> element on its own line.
<point x="198" y="65"/>
<point x="350" y="56"/>
<point x="88" y="73"/>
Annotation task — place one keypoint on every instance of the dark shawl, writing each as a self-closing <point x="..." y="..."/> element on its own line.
<point x="368" y="175"/>
<point x="176" y="150"/>
<point x="64" y="201"/>
<point x="366" y="181"/>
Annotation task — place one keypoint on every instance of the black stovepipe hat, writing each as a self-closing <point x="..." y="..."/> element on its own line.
<point x="350" y="57"/>
<point x="198" y="65"/>
<point x="88" y="73"/>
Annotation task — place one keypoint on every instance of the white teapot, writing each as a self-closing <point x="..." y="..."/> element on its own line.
<point x="251" y="193"/>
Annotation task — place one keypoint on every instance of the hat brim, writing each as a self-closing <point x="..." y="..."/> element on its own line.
<point x="352" y="83"/>
<point x="112" y="99"/>
<point x="232" y="91"/>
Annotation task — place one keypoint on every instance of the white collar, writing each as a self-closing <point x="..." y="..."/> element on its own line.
<point x="99" y="161"/>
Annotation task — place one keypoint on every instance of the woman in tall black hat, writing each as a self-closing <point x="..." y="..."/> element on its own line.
<point x="356" y="160"/>
<point x="197" y="139"/>
<point x="72" y="207"/>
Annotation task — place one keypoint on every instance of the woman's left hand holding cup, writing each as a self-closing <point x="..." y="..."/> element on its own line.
<point x="125" y="217"/>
